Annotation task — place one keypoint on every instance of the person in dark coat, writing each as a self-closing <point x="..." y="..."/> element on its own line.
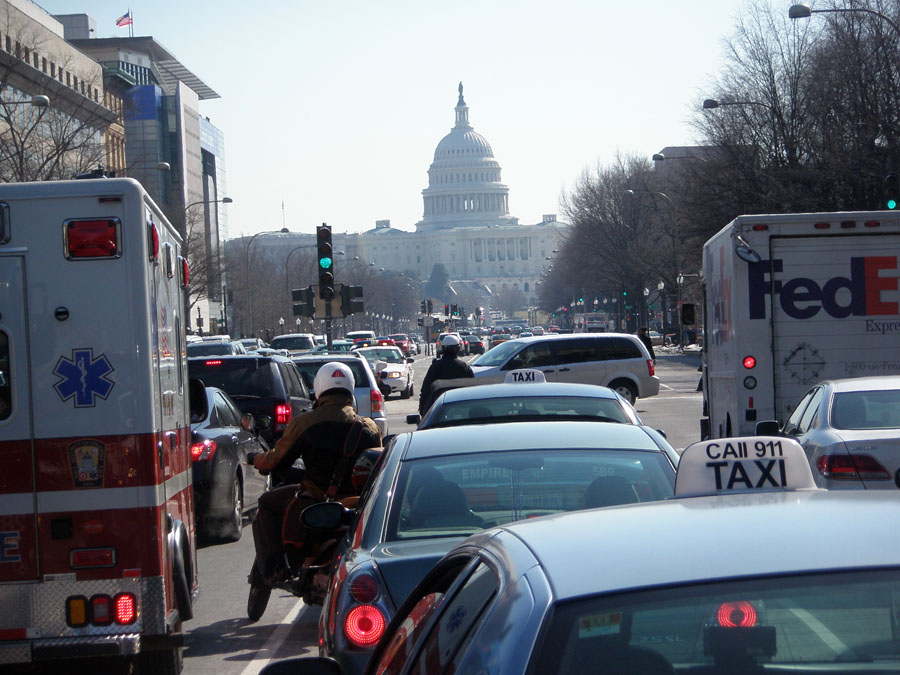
<point x="448" y="367"/>
<point x="645" y="338"/>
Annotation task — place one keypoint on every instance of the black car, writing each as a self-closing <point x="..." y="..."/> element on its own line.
<point x="264" y="386"/>
<point x="224" y="486"/>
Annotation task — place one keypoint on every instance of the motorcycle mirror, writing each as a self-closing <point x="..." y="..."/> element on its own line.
<point x="325" y="517"/>
<point x="263" y="422"/>
<point x="307" y="665"/>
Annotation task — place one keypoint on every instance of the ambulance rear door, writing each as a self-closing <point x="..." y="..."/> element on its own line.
<point x="18" y="540"/>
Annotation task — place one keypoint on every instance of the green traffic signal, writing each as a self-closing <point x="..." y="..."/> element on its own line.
<point x="891" y="191"/>
<point x="325" y="263"/>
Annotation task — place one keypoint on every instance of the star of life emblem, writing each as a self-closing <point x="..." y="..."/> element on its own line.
<point x="83" y="377"/>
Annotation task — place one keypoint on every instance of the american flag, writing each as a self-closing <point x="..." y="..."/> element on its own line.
<point x="125" y="19"/>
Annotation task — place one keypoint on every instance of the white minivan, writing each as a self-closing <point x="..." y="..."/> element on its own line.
<point x="616" y="360"/>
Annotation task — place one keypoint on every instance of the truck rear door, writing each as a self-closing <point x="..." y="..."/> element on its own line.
<point x="18" y="541"/>
<point x="834" y="310"/>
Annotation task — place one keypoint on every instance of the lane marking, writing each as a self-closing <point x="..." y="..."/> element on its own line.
<point x="819" y="629"/>
<point x="277" y="638"/>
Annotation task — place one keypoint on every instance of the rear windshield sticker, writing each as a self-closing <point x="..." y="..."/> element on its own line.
<point x="83" y="377"/>
<point x="599" y="624"/>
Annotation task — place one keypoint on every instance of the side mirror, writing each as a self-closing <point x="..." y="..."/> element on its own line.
<point x="768" y="428"/>
<point x="306" y="665"/>
<point x="413" y="419"/>
<point x="410" y="359"/>
<point x="662" y="433"/>
<point x="247" y="422"/>
<point x="262" y="422"/>
<point x="325" y="517"/>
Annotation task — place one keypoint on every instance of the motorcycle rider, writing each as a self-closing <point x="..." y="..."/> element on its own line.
<point x="320" y="437"/>
<point x="449" y="366"/>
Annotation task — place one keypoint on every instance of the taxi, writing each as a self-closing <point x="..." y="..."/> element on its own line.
<point x="735" y="573"/>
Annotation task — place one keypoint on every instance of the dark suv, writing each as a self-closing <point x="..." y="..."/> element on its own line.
<point x="268" y="386"/>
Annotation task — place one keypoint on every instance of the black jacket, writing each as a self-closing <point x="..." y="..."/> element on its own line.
<point x="445" y="368"/>
<point x="648" y="343"/>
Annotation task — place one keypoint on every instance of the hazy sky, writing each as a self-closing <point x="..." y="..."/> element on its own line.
<point x="336" y="106"/>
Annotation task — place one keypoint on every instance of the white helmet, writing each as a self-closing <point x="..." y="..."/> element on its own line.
<point x="450" y="340"/>
<point x="333" y="375"/>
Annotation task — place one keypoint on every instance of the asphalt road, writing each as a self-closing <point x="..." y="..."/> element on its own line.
<point x="221" y="641"/>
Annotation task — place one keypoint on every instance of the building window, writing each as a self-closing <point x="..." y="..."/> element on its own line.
<point x="68" y="79"/>
<point x="8" y="44"/>
<point x="26" y="53"/>
<point x="52" y="69"/>
<point x="43" y="64"/>
<point x="526" y="287"/>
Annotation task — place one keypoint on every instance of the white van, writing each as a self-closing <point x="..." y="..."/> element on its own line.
<point x="615" y="360"/>
<point x="360" y="335"/>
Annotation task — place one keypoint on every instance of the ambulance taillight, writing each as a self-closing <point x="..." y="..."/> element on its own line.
<point x="126" y="610"/>
<point x="153" y="235"/>
<point x="101" y="610"/>
<point x="185" y="272"/>
<point x="95" y="238"/>
<point x="92" y="557"/>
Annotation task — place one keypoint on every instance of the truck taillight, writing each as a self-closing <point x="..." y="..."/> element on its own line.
<point x="749" y="362"/>
<point x="126" y="608"/>
<point x="92" y="557"/>
<point x="93" y="238"/>
<point x="650" y="367"/>
<point x="283" y="413"/>
<point x="205" y="449"/>
<point x="377" y="400"/>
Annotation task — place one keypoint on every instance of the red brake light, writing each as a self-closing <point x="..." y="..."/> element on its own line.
<point x="283" y="413"/>
<point x="364" y="588"/>
<point x="92" y="238"/>
<point x="822" y="226"/>
<point x="749" y="362"/>
<point x="364" y="625"/>
<point x="851" y="467"/>
<point x="872" y="223"/>
<point x="126" y="610"/>
<point x="377" y="400"/>
<point x="203" y="450"/>
<point x="736" y="614"/>
<point x="185" y="272"/>
<point x="153" y="233"/>
<point x="650" y="367"/>
<point x="92" y="557"/>
<point x="214" y="362"/>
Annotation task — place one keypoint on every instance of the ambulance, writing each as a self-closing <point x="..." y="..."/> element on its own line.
<point x="790" y="300"/>
<point x="97" y="554"/>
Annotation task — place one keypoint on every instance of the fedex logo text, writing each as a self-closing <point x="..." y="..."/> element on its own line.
<point x="802" y="298"/>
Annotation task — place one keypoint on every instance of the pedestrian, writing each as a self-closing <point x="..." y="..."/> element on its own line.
<point x="449" y="366"/>
<point x="321" y="437"/>
<point x="648" y="343"/>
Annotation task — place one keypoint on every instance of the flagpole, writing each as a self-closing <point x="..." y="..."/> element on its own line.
<point x="131" y="25"/>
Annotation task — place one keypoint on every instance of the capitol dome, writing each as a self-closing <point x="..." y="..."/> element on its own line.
<point x="464" y="187"/>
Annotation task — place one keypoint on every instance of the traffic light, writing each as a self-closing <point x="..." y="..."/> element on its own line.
<point x="326" y="262"/>
<point x="688" y="315"/>
<point x="891" y="191"/>
<point x="351" y="299"/>
<point x="304" y="302"/>
<point x="454" y="311"/>
<point x="446" y="310"/>
<point x="424" y="307"/>
<point x="430" y="307"/>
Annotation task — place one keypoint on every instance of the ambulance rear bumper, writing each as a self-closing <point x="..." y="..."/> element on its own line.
<point x="49" y="649"/>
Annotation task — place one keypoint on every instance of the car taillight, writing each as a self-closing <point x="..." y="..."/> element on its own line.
<point x="364" y="588"/>
<point x="203" y="450"/>
<point x="851" y="467"/>
<point x="376" y="400"/>
<point x="364" y="625"/>
<point x="282" y="415"/>
<point x="650" y="367"/>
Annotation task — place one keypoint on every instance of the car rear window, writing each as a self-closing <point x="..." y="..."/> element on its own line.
<point x="879" y="409"/>
<point x="210" y="349"/>
<point x="308" y="370"/>
<point x="239" y="377"/>
<point x="619" y="348"/>
<point x="843" y="622"/>
<point x="293" y="342"/>
<point x="461" y="494"/>
<point x="532" y="407"/>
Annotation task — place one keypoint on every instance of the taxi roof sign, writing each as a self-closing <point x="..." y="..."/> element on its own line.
<point x="746" y="464"/>
<point x="528" y="375"/>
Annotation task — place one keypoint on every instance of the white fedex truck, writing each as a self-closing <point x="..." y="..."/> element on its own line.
<point x="790" y="300"/>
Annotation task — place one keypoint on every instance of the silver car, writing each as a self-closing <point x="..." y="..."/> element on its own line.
<point x="615" y="360"/>
<point x="850" y="430"/>
<point x="369" y="399"/>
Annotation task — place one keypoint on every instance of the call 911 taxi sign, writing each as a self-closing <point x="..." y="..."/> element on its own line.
<point x="747" y="464"/>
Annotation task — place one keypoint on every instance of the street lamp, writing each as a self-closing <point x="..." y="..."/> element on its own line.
<point x="224" y="200"/>
<point x="804" y="11"/>
<point x="281" y="324"/>
<point x="659" y="157"/>
<point x="39" y="101"/>
<point x="283" y="230"/>
<point x="712" y="104"/>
